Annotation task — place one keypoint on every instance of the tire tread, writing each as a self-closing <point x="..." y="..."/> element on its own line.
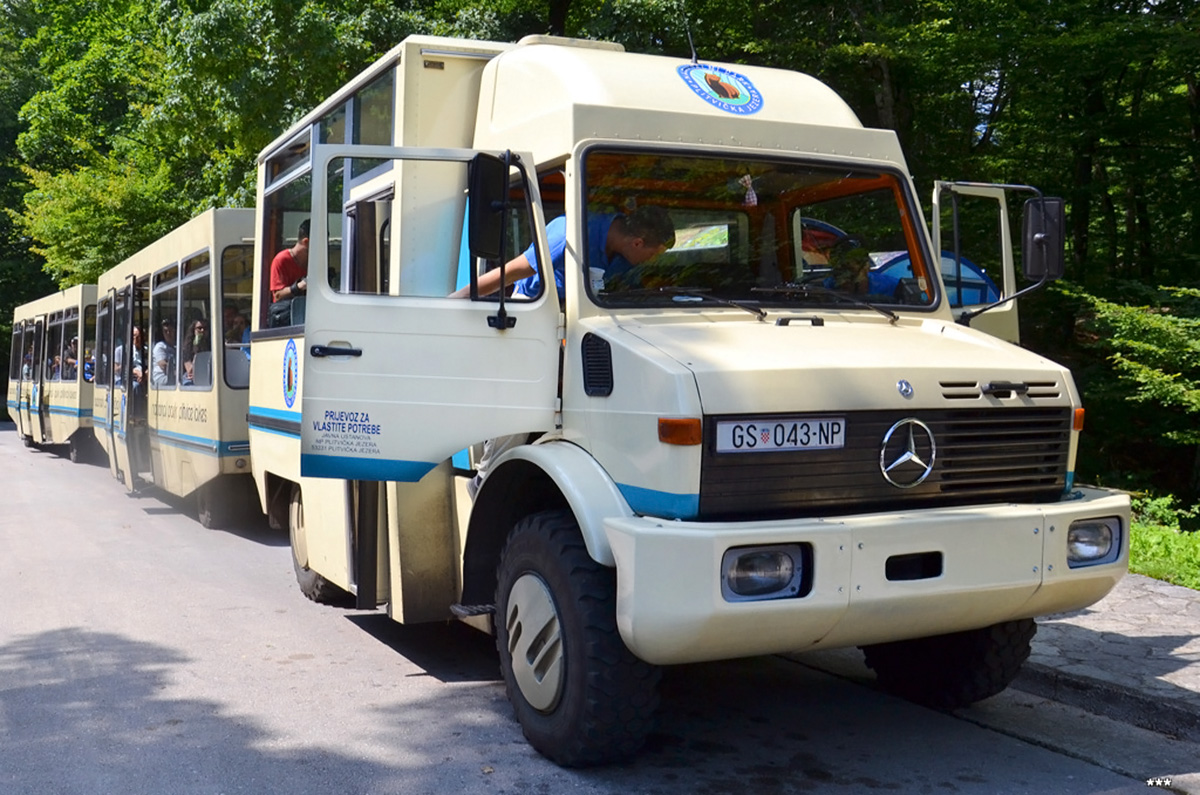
<point x="620" y="697"/>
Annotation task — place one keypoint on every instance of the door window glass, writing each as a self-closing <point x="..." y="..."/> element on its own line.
<point x="971" y="256"/>
<point x="404" y="233"/>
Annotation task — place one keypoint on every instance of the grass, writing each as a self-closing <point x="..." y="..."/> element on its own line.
<point x="1165" y="553"/>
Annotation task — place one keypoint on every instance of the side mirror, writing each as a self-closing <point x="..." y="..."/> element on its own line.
<point x="487" y="178"/>
<point x="1042" y="238"/>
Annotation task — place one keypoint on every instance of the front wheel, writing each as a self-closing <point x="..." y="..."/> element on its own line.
<point x="580" y="695"/>
<point x="952" y="671"/>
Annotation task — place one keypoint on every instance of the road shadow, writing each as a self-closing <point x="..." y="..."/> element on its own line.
<point x="86" y="713"/>
<point x="249" y="522"/>
<point x="448" y="652"/>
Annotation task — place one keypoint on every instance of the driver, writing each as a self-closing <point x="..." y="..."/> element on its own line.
<point x="616" y="243"/>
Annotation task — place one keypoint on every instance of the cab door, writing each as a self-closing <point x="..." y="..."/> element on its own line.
<point x="971" y="231"/>
<point x="398" y="375"/>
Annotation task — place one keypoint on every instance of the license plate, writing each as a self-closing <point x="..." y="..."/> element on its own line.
<point x="789" y="433"/>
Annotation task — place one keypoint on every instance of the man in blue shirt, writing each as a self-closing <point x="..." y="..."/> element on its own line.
<point x="616" y="243"/>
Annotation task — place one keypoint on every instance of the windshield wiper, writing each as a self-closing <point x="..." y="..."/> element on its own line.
<point x="682" y="294"/>
<point x="805" y="289"/>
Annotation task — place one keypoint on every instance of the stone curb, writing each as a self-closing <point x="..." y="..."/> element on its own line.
<point x="1112" y="701"/>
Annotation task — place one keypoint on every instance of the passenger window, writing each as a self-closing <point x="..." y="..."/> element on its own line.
<point x="71" y="345"/>
<point x="14" y="360"/>
<point x="103" y="349"/>
<point x="54" y="348"/>
<point x="286" y="224"/>
<point x="237" y="290"/>
<point x="88" y="350"/>
<point x="385" y="241"/>
<point x="164" y="338"/>
<point x="195" y="345"/>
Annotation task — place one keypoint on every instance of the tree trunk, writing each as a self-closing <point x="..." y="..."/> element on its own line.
<point x="558" y="17"/>
<point x="1112" y="260"/>
<point x="1081" y="204"/>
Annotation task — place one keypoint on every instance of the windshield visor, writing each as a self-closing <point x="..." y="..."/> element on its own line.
<point x="670" y="229"/>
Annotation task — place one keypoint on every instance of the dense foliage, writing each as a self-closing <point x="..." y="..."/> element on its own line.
<point x="121" y="118"/>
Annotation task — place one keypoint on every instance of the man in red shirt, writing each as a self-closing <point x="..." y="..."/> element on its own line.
<point x="289" y="273"/>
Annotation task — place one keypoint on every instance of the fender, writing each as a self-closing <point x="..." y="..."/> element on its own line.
<point x="585" y="485"/>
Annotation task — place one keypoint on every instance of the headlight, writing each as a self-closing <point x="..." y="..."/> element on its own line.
<point x="1092" y="541"/>
<point x="753" y="573"/>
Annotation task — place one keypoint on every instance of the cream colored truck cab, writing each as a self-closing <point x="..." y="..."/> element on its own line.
<point x="754" y="442"/>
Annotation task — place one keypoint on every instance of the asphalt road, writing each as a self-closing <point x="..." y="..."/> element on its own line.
<point x="140" y="653"/>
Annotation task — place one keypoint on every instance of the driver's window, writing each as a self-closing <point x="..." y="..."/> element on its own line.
<point x="400" y="229"/>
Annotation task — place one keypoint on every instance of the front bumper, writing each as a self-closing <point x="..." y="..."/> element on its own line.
<point x="1000" y="562"/>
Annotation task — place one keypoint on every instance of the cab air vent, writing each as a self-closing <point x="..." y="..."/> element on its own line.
<point x="1044" y="390"/>
<point x="960" y="390"/>
<point x="970" y="390"/>
<point x="597" y="366"/>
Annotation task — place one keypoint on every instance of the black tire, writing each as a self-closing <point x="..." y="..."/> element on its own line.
<point x="214" y="506"/>
<point x="312" y="585"/>
<point x="75" y="451"/>
<point x="28" y="440"/>
<point x="952" y="671"/>
<point x="580" y="695"/>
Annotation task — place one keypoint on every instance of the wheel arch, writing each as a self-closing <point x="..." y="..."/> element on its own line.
<point x="532" y="478"/>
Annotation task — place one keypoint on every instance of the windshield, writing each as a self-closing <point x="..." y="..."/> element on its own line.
<point x="670" y="229"/>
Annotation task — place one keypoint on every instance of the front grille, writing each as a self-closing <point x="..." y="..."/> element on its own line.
<point x="983" y="455"/>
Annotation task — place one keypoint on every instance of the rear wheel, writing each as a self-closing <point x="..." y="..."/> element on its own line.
<point x="951" y="671"/>
<point x="312" y="585"/>
<point x="214" y="505"/>
<point x="580" y="695"/>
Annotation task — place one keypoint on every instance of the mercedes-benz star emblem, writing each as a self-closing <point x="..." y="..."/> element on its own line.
<point x="904" y="388"/>
<point x="907" y="454"/>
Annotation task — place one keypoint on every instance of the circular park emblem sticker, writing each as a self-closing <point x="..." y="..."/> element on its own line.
<point x="722" y="88"/>
<point x="291" y="373"/>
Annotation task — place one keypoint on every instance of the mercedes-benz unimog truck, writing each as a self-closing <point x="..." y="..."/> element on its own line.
<point x="598" y="351"/>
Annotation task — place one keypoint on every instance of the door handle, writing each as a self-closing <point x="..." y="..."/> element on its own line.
<point x="321" y="351"/>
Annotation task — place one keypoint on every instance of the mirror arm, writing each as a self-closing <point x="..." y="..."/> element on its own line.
<point x="965" y="318"/>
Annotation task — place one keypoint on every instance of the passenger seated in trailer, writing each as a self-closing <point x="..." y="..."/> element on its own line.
<point x="137" y="364"/>
<point x="289" y="278"/>
<point x="197" y="355"/>
<point x="163" y="372"/>
<point x="71" y="361"/>
<point x="237" y="328"/>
